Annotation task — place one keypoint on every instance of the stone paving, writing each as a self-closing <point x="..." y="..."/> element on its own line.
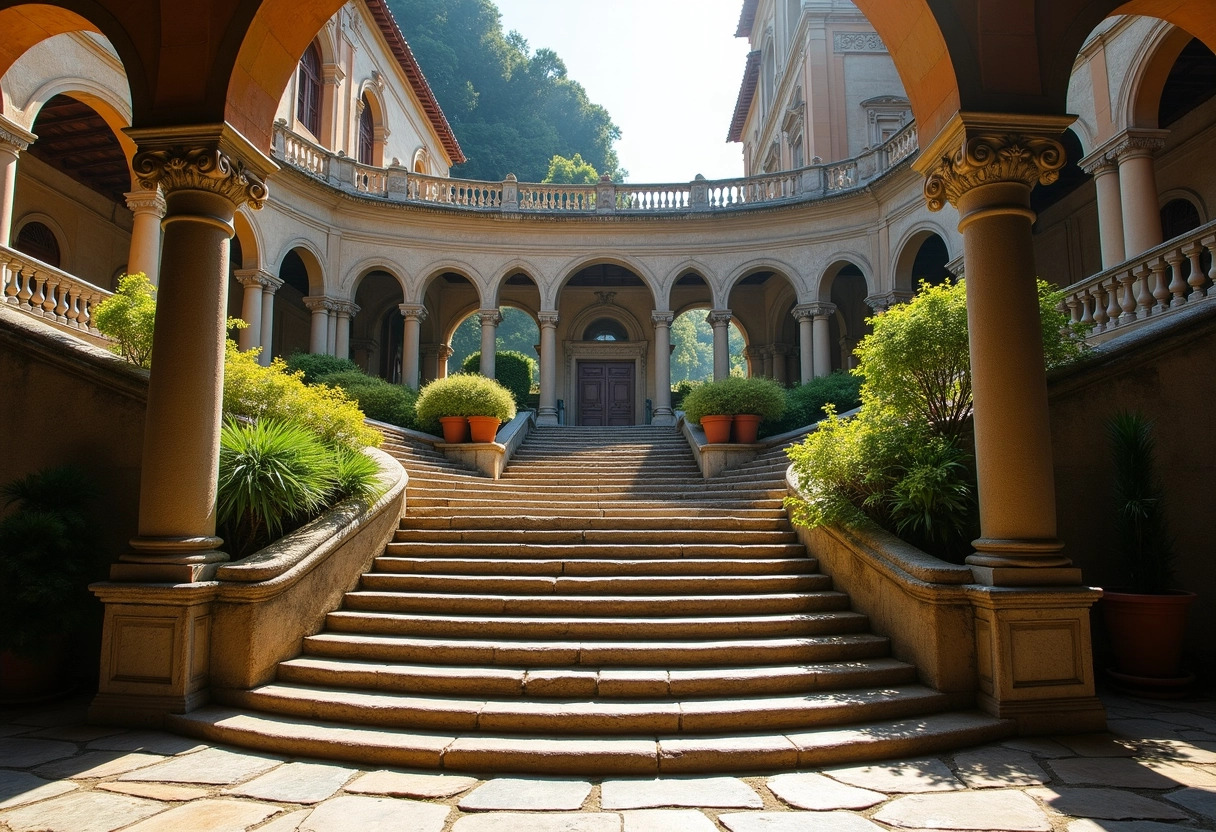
<point x="1154" y="772"/>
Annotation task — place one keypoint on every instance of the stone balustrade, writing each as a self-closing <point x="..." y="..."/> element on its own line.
<point x="398" y="184"/>
<point x="46" y="292"/>
<point x="1175" y="275"/>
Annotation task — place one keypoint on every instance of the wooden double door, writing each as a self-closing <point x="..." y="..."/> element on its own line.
<point x="605" y="393"/>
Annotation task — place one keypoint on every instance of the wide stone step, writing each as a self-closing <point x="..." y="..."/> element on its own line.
<point x="585" y="627"/>
<point x="588" y="717"/>
<point x="419" y="547"/>
<point x="642" y="490"/>
<point x="376" y="598"/>
<point x="591" y="756"/>
<point x="617" y="522"/>
<point x="654" y="653"/>
<point x="609" y="536"/>
<point x="420" y="500"/>
<point x="591" y="682"/>
<point x="585" y="589"/>
<point x="636" y="568"/>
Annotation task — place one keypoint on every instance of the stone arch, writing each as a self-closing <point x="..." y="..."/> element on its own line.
<point x="313" y="260"/>
<point x="355" y="274"/>
<point x="908" y="249"/>
<point x="588" y="315"/>
<point x="422" y="161"/>
<point x="114" y="110"/>
<point x="1140" y="93"/>
<point x="763" y="264"/>
<point x="507" y="271"/>
<point x="667" y="284"/>
<point x="62" y="240"/>
<point x="1193" y="213"/>
<point x="837" y="263"/>
<point x="370" y="93"/>
<point x="249" y="236"/>
<point x="438" y="269"/>
<point x="574" y="266"/>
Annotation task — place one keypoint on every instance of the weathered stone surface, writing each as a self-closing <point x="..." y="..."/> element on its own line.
<point x="907" y="776"/>
<point x="1105" y="804"/>
<point x="153" y="742"/>
<point x="821" y="793"/>
<point x="211" y="765"/>
<point x="27" y="752"/>
<point x="1008" y="811"/>
<point x="410" y="784"/>
<point x="1038" y="746"/>
<point x="98" y="764"/>
<point x="375" y="814"/>
<point x="74" y="712"/>
<point x="80" y="812"/>
<point x="156" y="791"/>
<point x="8" y="729"/>
<point x="513" y="822"/>
<point x="1143" y="728"/>
<point x="1123" y="773"/>
<point x="1181" y="749"/>
<point x="289" y="822"/>
<point x="208" y="816"/>
<point x="705" y="792"/>
<point x="797" y="822"/>
<point x="534" y="794"/>
<point x="1127" y="826"/>
<point x="1201" y="801"/>
<point x="18" y="788"/>
<point x="76" y="733"/>
<point x="667" y="820"/>
<point x="296" y="783"/>
<point x="1099" y="745"/>
<point x="998" y="768"/>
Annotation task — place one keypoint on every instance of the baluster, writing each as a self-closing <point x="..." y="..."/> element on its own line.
<point x="1113" y="308"/>
<point x="62" y="307"/>
<point x="1076" y="304"/>
<point x="1177" y="285"/>
<point x="1143" y="292"/>
<point x="14" y="283"/>
<point x="1161" y="292"/>
<point x="1087" y="316"/>
<point x="94" y="299"/>
<point x="1195" y="277"/>
<point x="1100" y="317"/>
<point x="49" y="286"/>
<point x="74" y="311"/>
<point x="1128" y="301"/>
<point x="28" y="299"/>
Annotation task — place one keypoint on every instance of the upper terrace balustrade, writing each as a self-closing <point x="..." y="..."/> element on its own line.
<point x="397" y="184"/>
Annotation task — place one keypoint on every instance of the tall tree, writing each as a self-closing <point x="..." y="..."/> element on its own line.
<point x="512" y="109"/>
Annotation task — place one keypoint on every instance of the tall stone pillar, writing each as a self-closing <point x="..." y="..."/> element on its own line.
<point x="251" y="309"/>
<point x="1104" y="168"/>
<point x="547" y="411"/>
<point x="318" y="341"/>
<point x="270" y="285"/>
<point x="414" y="315"/>
<point x="987" y="174"/>
<point x="148" y="208"/>
<point x="14" y="140"/>
<point x="662" y="413"/>
<point x="780" y="370"/>
<point x="804" y="314"/>
<point x="345" y="312"/>
<point x="720" y="320"/>
<point x="331" y="326"/>
<point x="1138" y="189"/>
<point x="821" y="332"/>
<point x="490" y="319"/>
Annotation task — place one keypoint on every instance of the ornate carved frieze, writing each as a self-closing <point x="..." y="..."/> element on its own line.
<point x="662" y="318"/>
<point x="412" y="311"/>
<point x="257" y="277"/>
<point x="984" y="158"/>
<point x="857" y="42"/>
<point x="548" y="319"/>
<point x="146" y="202"/>
<point x="15" y="137"/>
<point x="719" y="317"/>
<point x="490" y="317"/>
<point x="346" y="307"/>
<point x="213" y="158"/>
<point x="804" y="312"/>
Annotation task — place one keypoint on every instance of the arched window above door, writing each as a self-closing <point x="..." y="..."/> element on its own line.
<point x="605" y="329"/>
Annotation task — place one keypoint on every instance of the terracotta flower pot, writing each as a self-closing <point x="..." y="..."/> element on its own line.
<point x="747" y="426"/>
<point x="1146" y="631"/>
<point x="717" y="428"/>
<point x="484" y="428"/>
<point x="455" y="429"/>
<point x="32" y="678"/>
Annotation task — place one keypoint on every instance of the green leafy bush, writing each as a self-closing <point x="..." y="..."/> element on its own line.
<point x="804" y="404"/>
<point x="513" y="370"/>
<point x="314" y="365"/>
<point x="680" y="390"/>
<point x="129" y="316"/>
<point x="463" y="394"/>
<point x="256" y="392"/>
<point x="733" y="395"/>
<point x="48" y="555"/>
<point x="377" y="398"/>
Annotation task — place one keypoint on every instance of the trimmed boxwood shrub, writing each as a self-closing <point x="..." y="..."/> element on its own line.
<point x="512" y="369"/>
<point x="463" y="394"/>
<point x="313" y="366"/>
<point x="377" y="398"/>
<point x="733" y="395"/>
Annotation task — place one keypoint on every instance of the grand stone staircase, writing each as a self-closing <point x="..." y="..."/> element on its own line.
<point x="600" y="609"/>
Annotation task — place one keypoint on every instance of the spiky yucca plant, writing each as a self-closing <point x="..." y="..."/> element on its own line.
<point x="1145" y="545"/>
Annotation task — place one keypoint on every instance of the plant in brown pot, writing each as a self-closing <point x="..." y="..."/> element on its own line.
<point x="1145" y="618"/>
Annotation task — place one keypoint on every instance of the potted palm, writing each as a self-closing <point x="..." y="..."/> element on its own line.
<point x="480" y="403"/>
<point x="1145" y="618"/>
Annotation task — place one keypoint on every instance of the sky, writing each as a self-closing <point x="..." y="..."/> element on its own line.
<point x="667" y="71"/>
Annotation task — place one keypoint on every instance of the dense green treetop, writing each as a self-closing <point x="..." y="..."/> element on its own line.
<point x="512" y="109"/>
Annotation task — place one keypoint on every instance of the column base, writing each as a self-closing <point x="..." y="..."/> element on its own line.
<point x="546" y="416"/>
<point x="170" y="560"/>
<point x="1049" y="716"/>
<point x="663" y="418"/>
<point x="1014" y="576"/>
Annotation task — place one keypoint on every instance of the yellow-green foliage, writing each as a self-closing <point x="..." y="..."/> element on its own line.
<point x="463" y="395"/>
<point x="128" y="317"/>
<point x="273" y="392"/>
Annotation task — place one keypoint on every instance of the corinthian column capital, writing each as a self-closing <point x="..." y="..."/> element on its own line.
<point x="983" y="148"/>
<point x="14" y="137"/>
<point x="213" y="158"/>
<point x="412" y="311"/>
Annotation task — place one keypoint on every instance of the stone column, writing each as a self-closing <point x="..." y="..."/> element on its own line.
<point x="251" y="309"/>
<point x="13" y="141"/>
<point x="1138" y="189"/>
<point x="987" y="172"/>
<point x="804" y="314"/>
<point x="490" y="319"/>
<point x="662" y="413"/>
<point x="148" y="208"/>
<point x="547" y="410"/>
<point x="346" y="311"/>
<point x="822" y="334"/>
<point x="780" y="370"/>
<point x="414" y="315"/>
<point x="331" y="327"/>
<point x="720" y="320"/>
<point x="319" y="339"/>
<point x="441" y="361"/>
<point x="1104" y="168"/>
<point x="270" y="285"/>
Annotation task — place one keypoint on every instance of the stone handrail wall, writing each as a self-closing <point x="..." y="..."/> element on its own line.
<point x="397" y="184"/>
<point x="46" y="292"/>
<point x="1159" y="281"/>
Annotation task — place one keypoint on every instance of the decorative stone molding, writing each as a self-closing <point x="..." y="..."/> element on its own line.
<point x="819" y="309"/>
<point x="212" y="158"/>
<point x="318" y="304"/>
<point x="146" y="202"/>
<point x="332" y="74"/>
<point x="489" y="317"/>
<point x="345" y="307"/>
<point x="547" y="319"/>
<point x="993" y="157"/>
<point x="803" y="312"/>
<point x="858" y="42"/>
<point x="883" y="302"/>
<point x="14" y="137"/>
<point x="412" y="311"/>
<point x="445" y="352"/>
<point x="662" y="319"/>
<point x="719" y="317"/>
<point x="1129" y="142"/>
<point x="607" y="298"/>
<point x="258" y="277"/>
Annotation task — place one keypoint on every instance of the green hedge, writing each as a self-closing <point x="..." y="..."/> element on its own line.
<point x="377" y="398"/>
<point x="313" y="365"/>
<point x="512" y="369"/>
<point x="804" y="403"/>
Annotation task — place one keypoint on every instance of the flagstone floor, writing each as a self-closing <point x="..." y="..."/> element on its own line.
<point x="1154" y="772"/>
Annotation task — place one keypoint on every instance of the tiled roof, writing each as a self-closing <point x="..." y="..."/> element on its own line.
<point x="747" y="91"/>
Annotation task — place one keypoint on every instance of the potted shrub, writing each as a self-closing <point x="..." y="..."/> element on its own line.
<point x="716" y="404"/>
<point x="479" y="402"/>
<point x="48" y="555"/>
<point x="1145" y="618"/>
<point x="709" y="406"/>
